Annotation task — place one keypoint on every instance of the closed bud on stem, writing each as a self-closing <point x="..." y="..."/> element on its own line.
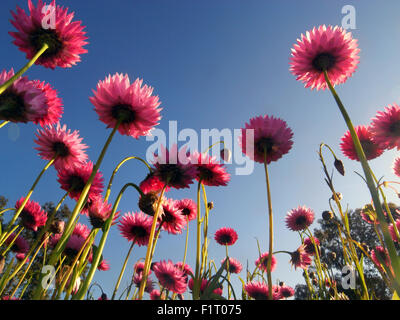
<point x="57" y="227"/>
<point x="226" y="154"/>
<point x="210" y="205"/>
<point x="339" y="166"/>
<point x="338" y="195"/>
<point x="148" y="203"/>
<point x="327" y="215"/>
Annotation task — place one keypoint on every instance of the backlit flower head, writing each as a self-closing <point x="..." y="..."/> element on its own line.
<point x="396" y="167"/>
<point x="32" y="215"/>
<point x="136" y="227"/>
<point x="385" y="127"/>
<point x="137" y="279"/>
<point x="170" y="276"/>
<point x="203" y="286"/>
<point x="74" y="180"/>
<point x="259" y="291"/>
<point x="172" y="219"/>
<point x="186" y="269"/>
<point x="22" y="101"/>
<point x="324" y="48"/>
<point x="380" y="254"/>
<point x="99" y="211"/>
<point x="152" y="183"/>
<point x="188" y="208"/>
<point x="300" y="258"/>
<point x="234" y="265"/>
<point x="309" y="246"/>
<point x="156" y="295"/>
<point x="81" y="230"/>
<point x="116" y="99"/>
<point x="262" y="262"/>
<point x="65" y="38"/>
<point x="371" y="149"/>
<point x="271" y="135"/>
<point x="20" y="245"/>
<point x="209" y="171"/>
<point x="53" y="105"/>
<point x="66" y="146"/>
<point x="393" y="232"/>
<point x="139" y="267"/>
<point x="299" y="218"/>
<point x="286" y="291"/>
<point x="174" y="168"/>
<point x="226" y="236"/>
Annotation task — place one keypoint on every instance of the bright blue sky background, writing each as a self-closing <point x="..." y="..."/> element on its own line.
<point x="214" y="64"/>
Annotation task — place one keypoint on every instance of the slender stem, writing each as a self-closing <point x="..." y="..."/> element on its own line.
<point x="228" y="274"/>
<point x="271" y="230"/>
<point x="122" y="270"/>
<point x="370" y="182"/>
<point x="197" y="279"/>
<point x="147" y="261"/>
<point x="96" y="259"/>
<point x="205" y="236"/>
<point x="3" y="123"/>
<point x="5" y="85"/>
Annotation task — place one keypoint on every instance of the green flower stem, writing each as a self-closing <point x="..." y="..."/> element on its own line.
<point x="69" y="227"/>
<point x="228" y="274"/>
<point x="122" y="270"/>
<point x="3" y="123"/>
<point x="12" y="242"/>
<point x="271" y="227"/>
<point x="197" y="277"/>
<point x="370" y="183"/>
<point x="16" y="215"/>
<point x="147" y="261"/>
<point x="96" y="259"/>
<point x="116" y="170"/>
<point x="204" y="251"/>
<point x="9" y="82"/>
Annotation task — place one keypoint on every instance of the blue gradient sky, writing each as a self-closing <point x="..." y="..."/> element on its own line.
<point x="214" y="64"/>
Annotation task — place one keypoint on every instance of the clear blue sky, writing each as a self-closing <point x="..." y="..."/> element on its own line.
<point x="214" y="64"/>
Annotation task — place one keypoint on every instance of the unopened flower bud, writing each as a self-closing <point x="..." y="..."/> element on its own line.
<point x="210" y="205"/>
<point x="57" y="226"/>
<point x="339" y="166"/>
<point x="327" y="215"/>
<point x="281" y="284"/>
<point x="226" y="154"/>
<point x="338" y="195"/>
<point x="148" y="203"/>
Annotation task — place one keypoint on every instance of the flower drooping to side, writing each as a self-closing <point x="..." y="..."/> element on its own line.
<point x="32" y="215"/>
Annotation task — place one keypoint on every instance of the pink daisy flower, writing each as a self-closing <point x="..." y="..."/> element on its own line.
<point x="188" y="208"/>
<point x="99" y="212"/>
<point x="286" y="291"/>
<point x="135" y="106"/>
<point x="137" y="280"/>
<point x="385" y="127"/>
<point x="259" y="291"/>
<point x="172" y="219"/>
<point x="170" y="277"/>
<point x="21" y="256"/>
<point x="53" y="105"/>
<point x="300" y="218"/>
<point x="270" y="134"/>
<point x="371" y="149"/>
<point x="309" y="246"/>
<point x="209" y="171"/>
<point x="392" y="232"/>
<point x="74" y="245"/>
<point x="65" y="42"/>
<point x="20" y="245"/>
<point x="226" y="236"/>
<point x="262" y="262"/>
<point x="22" y="101"/>
<point x="81" y="230"/>
<point x="139" y="267"/>
<point x="152" y="183"/>
<point x="32" y="215"/>
<point x="234" y="265"/>
<point x="324" y="48"/>
<point x="74" y="179"/>
<point x="186" y="269"/>
<point x="300" y="258"/>
<point x="136" y="227"/>
<point x="203" y="286"/>
<point x="396" y="167"/>
<point x="155" y="295"/>
<point x="174" y="168"/>
<point x="103" y="264"/>
<point x="64" y="145"/>
<point x="382" y="254"/>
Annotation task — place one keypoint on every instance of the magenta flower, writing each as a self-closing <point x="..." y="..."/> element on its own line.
<point x="20" y="245"/>
<point x="186" y="269"/>
<point x="155" y="295"/>
<point x="226" y="236"/>
<point x="137" y="279"/>
<point x="81" y="230"/>
<point x="396" y="167"/>
<point x="65" y="42"/>
<point x="209" y="171"/>
<point x="136" y="227"/>
<point x="300" y="218"/>
<point x="139" y="267"/>
<point x="271" y="135"/>
<point x="300" y="258"/>
<point x="259" y="291"/>
<point x="324" y="48"/>
<point x="188" y="208"/>
<point x="32" y="215"/>
<point x="116" y="99"/>
<point x="173" y="168"/>
<point x="371" y="149"/>
<point x="262" y="262"/>
<point x="99" y="212"/>
<point x="62" y="144"/>
<point x="22" y="101"/>
<point x="392" y="232"/>
<point x="172" y="219"/>
<point x="385" y="127"/>
<point x="53" y="105"/>
<point x="309" y="246"/>
<point x="234" y="265"/>
<point x="203" y="286"/>
<point x="152" y="183"/>
<point x="286" y="291"/>
<point x="379" y="253"/>
<point x="170" y="276"/>
<point x="74" y="179"/>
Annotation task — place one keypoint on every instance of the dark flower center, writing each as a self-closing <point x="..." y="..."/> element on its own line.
<point x="70" y="252"/>
<point x="124" y="113"/>
<point x="138" y="232"/>
<point x="395" y="128"/>
<point x="185" y="211"/>
<point x="301" y="221"/>
<point x="286" y="293"/>
<point x="27" y="217"/>
<point x="368" y="146"/>
<point x="296" y="257"/>
<point x="225" y="239"/>
<point x="76" y="183"/>
<point x="259" y="296"/>
<point x="266" y="144"/>
<point x="168" y="281"/>
<point x="171" y="173"/>
<point x="12" y="107"/>
<point x="324" y="61"/>
<point x="60" y="149"/>
<point x="168" y="217"/>
<point x="382" y="255"/>
<point x="49" y="36"/>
